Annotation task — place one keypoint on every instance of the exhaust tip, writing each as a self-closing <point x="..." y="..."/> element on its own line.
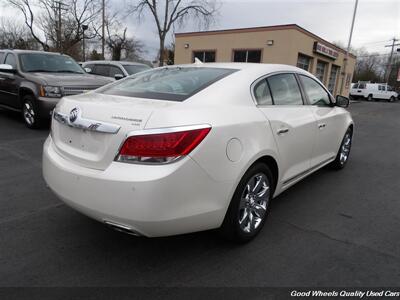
<point x="122" y="228"/>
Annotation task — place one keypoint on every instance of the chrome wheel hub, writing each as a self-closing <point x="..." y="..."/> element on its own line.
<point x="345" y="148"/>
<point x="254" y="202"/>
<point x="29" y="113"/>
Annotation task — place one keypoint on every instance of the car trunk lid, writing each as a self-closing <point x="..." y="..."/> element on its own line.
<point x="89" y="147"/>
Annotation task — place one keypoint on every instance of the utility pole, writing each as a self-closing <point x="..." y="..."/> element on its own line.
<point x="103" y="29"/>
<point x="58" y="6"/>
<point x="389" y="65"/>
<point x="346" y="59"/>
<point x="84" y="27"/>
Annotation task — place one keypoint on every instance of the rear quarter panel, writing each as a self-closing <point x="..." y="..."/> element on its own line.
<point x="246" y="124"/>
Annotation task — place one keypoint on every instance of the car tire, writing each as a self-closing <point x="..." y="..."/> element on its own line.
<point x="250" y="205"/>
<point x="30" y="113"/>
<point x="370" y="98"/>
<point x="392" y="99"/>
<point x="344" y="151"/>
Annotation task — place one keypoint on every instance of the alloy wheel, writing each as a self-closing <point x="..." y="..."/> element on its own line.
<point x="345" y="148"/>
<point x="29" y="113"/>
<point x="254" y="202"/>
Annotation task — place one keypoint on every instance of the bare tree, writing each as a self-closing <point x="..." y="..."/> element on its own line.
<point x="167" y="13"/>
<point x="26" y="8"/>
<point x="369" y="66"/>
<point x="117" y="40"/>
<point x="42" y="19"/>
<point x="14" y="35"/>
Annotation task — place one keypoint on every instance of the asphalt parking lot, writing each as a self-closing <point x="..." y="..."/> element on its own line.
<point x="336" y="228"/>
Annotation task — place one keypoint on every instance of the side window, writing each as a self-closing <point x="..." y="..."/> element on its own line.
<point x="10" y="60"/>
<point x="355" y="86"/>
<point x="262" y="93"/>
<point x="285" y="90"/>
<point x="115" y="70"/>
<point x="102" y="70"/>
<point x="314" y="91"/>
<point x="1" y="57"/>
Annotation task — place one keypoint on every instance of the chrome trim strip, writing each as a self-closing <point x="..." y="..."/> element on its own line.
<point x="308" y="171"/>
<point x="167" y="129"/>
<point x="76" y="120"/>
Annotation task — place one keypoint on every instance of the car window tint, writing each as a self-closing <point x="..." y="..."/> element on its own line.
<point x="355" y="86"/>
<point x="262" y="93"/>
<point x="43" y="62"/>
<point x="102" y="70"/>
<point x="169" y="83"/>
<point x="10" y="60"/>
<point x="315" y="92"/>
<point x="285" y="90"/>
<point x="115" y="70"/>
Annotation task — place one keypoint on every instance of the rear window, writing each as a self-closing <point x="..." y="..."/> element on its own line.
<point x="1" y="57"/>
<point x="133" y="69"/>
<point x="171" y="83"/>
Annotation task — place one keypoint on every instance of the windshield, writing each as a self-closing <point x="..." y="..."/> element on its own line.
<point x="40" y="62"/>
<point x="171" y="83"/>
<point x="133" y="69"/>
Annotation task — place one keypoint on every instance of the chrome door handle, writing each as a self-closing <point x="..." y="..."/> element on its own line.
<point x="282" y="131"/>
<point x="322" y="125"/>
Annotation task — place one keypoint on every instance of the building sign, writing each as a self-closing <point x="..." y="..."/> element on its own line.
<point x="325" y="50"/>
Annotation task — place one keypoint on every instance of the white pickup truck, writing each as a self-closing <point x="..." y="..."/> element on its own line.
<point x="371" y="91"/>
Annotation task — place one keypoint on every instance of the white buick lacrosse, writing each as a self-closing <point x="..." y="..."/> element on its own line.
<point x="194" y="147"/>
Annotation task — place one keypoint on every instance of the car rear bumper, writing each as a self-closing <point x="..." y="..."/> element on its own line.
<point x="150" y="200"/>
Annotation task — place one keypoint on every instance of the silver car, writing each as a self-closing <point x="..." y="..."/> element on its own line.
<point x="114" y="69"/>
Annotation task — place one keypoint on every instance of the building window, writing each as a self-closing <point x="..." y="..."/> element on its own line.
<point x="251" y="56"/>
<point x="321" y="69"/>
<point x="204" y="56"/>
<point x="304" y="62"/>
<point x="333" y="79"/>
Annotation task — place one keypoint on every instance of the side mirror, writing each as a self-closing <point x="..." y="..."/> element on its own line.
<point x="88" y="70"/>
<point x="342" y="101"/>
<point x="7" y="68"/>
<point x="118" y="76"/>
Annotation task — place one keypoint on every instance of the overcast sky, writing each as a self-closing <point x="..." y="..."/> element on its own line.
<point x="377" y="21"/>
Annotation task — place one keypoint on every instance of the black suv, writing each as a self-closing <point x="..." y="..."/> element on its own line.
<point x="34" y="81"/>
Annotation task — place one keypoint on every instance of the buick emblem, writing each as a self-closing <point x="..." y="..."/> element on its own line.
<point x="73" y="115"/>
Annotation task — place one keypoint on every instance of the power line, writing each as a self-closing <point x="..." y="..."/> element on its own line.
<point x="373" y="54"/>
<point x="377" y="42"/>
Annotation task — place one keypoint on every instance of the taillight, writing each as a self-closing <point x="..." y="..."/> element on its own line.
<point x="161" y="147"/>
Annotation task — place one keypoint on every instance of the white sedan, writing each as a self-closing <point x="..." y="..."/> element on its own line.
<point x="194" y="147"/>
